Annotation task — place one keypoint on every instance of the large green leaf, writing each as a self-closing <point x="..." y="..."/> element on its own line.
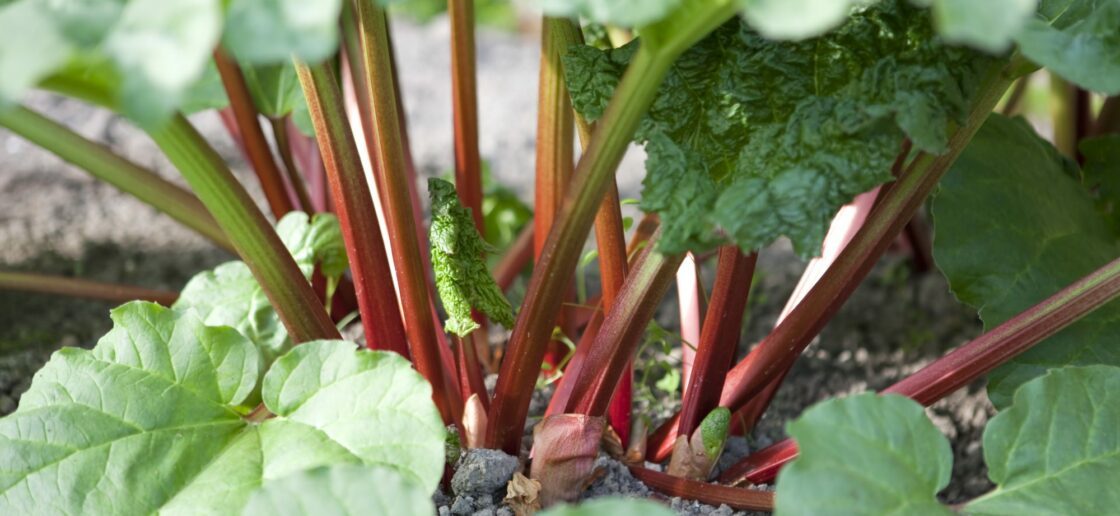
<point x="1057" y="449"/>
<point x="149" y="420"/>
<point x="340" y="490"/>
<point x="616" y="506"/>
<point x="865" y="454"/>
<point x="31" y="48"/>
<point x="761" y="139"/>
<point x="273" y="31"/>
<point x="229" y="295"/>
<point x="1078" y="40"/>
<point x="1013" y="226"/>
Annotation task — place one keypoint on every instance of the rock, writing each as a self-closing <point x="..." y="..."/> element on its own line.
<point x="483" y="472"/>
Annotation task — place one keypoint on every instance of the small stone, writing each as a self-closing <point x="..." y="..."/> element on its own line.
<point x="463" y="506"/>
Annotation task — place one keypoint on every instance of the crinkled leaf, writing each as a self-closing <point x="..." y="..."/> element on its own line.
<point x="148" y="420"/>
<point x="1078" y="41"/>
<point x="615" y="506"/>
<point x="230" y="295"/>
<point x="1101" y="175"/>
<point x="340" y="490"/>
<point x="713" y="431"/>
<point x="458" y="258"/>
<point x="625" y="13"/>
<point x="1013" y="226"/>
<point x="865" y="454"/>
<point x="761" y="139"/>
<point x="273" y="31"/>
<point x="797" y="19"/>
<point x="988" y="25"/>
<point x="1057" y="449"/>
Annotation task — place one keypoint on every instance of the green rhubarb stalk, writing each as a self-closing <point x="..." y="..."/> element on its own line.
<point x="662" y="44"/>
<point x="254" y="238"/>
<point x="105" y="165"/>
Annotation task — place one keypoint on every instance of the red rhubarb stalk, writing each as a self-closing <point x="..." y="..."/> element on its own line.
<point x="970" y="361"/>
<point x="690" y="302"/>
<point x="252" y="136"/>
<point x="368" y="261"/>
<point x="711" y="494"/>
<point x="78" y="287"/>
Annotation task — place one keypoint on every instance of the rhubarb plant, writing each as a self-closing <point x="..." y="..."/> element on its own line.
<point x="829" y="124"/>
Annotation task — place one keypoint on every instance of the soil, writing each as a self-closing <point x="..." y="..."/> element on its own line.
<point x="56" y="219"/>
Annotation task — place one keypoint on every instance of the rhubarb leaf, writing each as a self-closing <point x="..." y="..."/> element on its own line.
<point x="274" y="31"/>
<point x="1101" y="176"/>
<point x="154" y="52"/>
<point x="616" y="506"/>
<point x="1014" y="226"/>
<point x="149" y="420"/>
<point x="624" y="13"/>
<point x="340" y="490"/>
<point x="459" y="261"/>
<point x="762" y="139"/>
<point x="797" y="19"/>
<point x="989" y="25"/>
<point x="865" y="454"/>
<point x="1057" y="449"/>
<point x="1078" y="40"/>
<point x="229" y="294"/>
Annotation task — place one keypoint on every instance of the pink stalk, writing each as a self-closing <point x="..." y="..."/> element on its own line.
<point x="690" y="296"/>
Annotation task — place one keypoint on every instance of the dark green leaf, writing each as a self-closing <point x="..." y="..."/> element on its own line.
<point x="761" y="139"/>
<point x="865" y="454"/>
<point x="147" y="422"/>
<point x="1013" y="226"/>
<point x="1101" y="175"/>
<point x="273" y="31"/>
<point x="1057" y="449"/>
<point x="340" y="490"/>
<point x="1082" y="45"/>
<point x="458" y="258"/>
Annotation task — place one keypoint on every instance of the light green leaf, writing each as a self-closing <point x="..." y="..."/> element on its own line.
<point x="1013" y="226"/>
<point x="161" y="48"/>
<point x="315" y="240"/>
<point x="624" y="13"/>
<point x="206" y="93"/>
<point x="273" y="31"/>
<point x="1057" y="449"/>
<point x="749" y="140"/>
<point x="713" y="431"/>
<point x="275" y="88"/>
<point x="395" y="424"/>
<point x="31" y="48"/>
<point x="462" y="279"/>
<point x="614" y="506"/>
<point x="865" y="454"/>
<point x="1080" y="43"/>
<point x="797" y="19"/>
<point x="148" y="420"/>
<point x="340" y="490"/>
<point x="989" y="25"/>
<point x="229" y="294"/>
